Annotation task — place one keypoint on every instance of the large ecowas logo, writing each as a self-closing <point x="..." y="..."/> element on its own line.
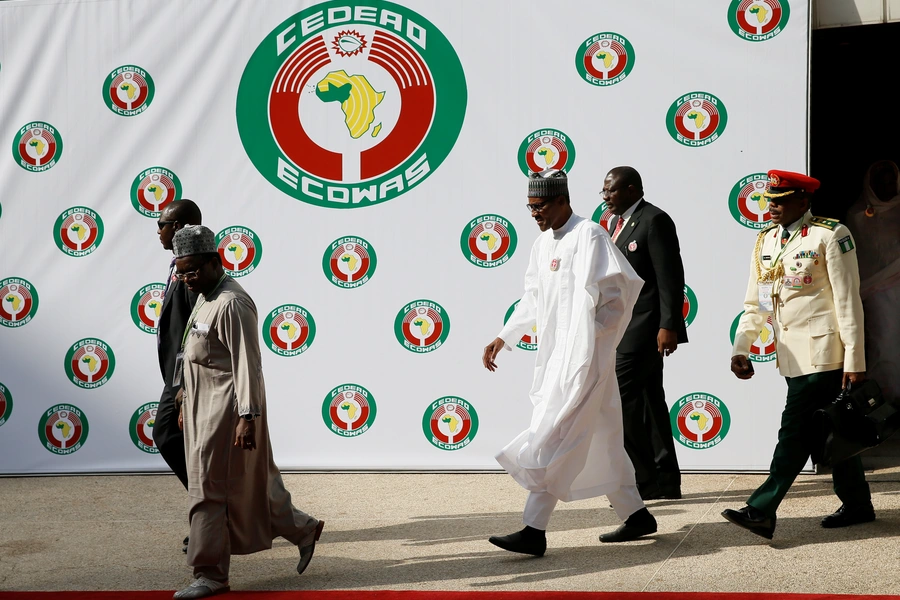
<point x="90" y="363"/>
<point x="63" y="429"/>
<point x="78" y="231"/>
<point x="700" y="420"/>
<point x="349" y="262"/>
<point x="450" y="423"/>
<point x="128" y="90"/>
<point x="348" y="104"/>
<point x="546" y="149"/>
<point x="37" y="146"/>
<point x="18" y="302"/>
<point x="422" y="326"/>
<point x="696" y="119"/>
<point x="240" y="250"/>
<point x="289" y="330"/>
<point x="488" y="241"/>
<point x="349" y="410"/>
<point x="604" y="59"/>
<point x="758" y="20"/>
<point x="154" y="189"/>
<point x="746" y="202"/>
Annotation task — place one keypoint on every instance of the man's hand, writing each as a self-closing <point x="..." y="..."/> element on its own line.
<point x="490" y="353"/>
<point x="854" y="378"/>
<point x="181" y="419"/>
<point x="179" y="398"/>
<point x="666" y="342"/>
<point x="741" y="367"/>
<point x="245" y="434"/>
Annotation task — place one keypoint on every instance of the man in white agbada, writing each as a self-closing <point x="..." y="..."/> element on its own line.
<point x="580" y="290"/>
<point x="874" y="222"/>
<point x="238" y="500"/>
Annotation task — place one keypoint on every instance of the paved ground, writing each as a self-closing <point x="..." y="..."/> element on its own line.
<point x="408" y="531"/>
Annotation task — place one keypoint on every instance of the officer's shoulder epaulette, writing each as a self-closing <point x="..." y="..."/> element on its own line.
<point x="823" y="222"/>
<point x="768" y="229"/>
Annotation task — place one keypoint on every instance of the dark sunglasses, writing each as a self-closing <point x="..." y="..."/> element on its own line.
<point x="161" y="224"/>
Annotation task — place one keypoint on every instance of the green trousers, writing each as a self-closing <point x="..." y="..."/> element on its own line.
<point x="806" y="394"/>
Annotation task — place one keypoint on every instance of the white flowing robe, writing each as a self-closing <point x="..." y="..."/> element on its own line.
<point x="878" y="251"/>
<point x="575" y="447"/>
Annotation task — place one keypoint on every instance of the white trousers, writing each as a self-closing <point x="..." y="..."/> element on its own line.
<point x="625" y="501"/>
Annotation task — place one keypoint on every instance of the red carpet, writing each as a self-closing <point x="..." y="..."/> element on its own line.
<point x="430" y="595"/>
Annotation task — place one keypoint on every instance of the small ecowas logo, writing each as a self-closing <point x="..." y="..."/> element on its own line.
<point x="747" y="204"/>
<point x="758" y="20"/>
<point x="349" y="410"/>
<point x="63" y="429"/>
<point x="604" y="59"/>
<point x="348" y="104"/>
<point x="141" y="428"/>
<point x="18" y="302"/>
<point x="90" y="363"/>
<point x="37" y="147"/>
<point x="422" y="326"/>
<point x="529" y="340"/>
<point x="546" y="149"/>
<point x="78" y="231"/>
<point x="488" y="241"/>
<point x="240" y="249"/>
<point x="153" y="189"/>
<point x="450" y="423"/>
<point x="289" y="330"/>
<point x="763" y="348"/>
<point x="689" y="308"/>
<point x="128" y="90"/>
<point x="602" y="216"/>
<point x="349" y="262"/>
<point x="696" y="119"/>
<point x="699" y="421"/>
<point x="6" y="404"/>
<point x="146" y="307"/>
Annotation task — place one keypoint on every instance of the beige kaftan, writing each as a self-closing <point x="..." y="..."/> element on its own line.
<point x="238" y="502"/>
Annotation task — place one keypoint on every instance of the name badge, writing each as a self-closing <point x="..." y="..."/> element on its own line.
<point x="179" y="365"/>
<point x="765" y="296"/>
<point x="793" y="282"/>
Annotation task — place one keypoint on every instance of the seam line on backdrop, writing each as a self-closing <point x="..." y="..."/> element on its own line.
<point x="690" y="531"/>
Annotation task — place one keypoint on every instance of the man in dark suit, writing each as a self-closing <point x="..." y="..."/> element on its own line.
<point x="177" y="306"/>
<point x="646" y="236"/>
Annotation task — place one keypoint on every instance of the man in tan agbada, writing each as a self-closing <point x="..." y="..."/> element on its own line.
<point x="238" y="502"/>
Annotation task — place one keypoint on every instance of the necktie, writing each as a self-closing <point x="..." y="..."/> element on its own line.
<point x="785" y="236"/>
<point x="618" y="229"/>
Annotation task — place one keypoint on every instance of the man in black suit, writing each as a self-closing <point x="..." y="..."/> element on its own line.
<point x="646" y="236"/>
<point x="177" y="306"/>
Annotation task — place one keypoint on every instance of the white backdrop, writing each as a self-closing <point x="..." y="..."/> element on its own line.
<point x="180" y="107"/>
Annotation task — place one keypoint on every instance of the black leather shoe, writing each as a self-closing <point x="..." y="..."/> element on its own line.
<point x="185" y="543"/>
<point x="849" y="515"/>
<point x="751" y="519"/>
<point x="639" y="524"/>
<point x="532" y="542"/>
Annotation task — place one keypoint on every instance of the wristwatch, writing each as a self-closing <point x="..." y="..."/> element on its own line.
<point x="248" y="417"/>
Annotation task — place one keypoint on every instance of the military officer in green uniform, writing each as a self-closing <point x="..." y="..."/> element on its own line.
<point x="804" y="274"/>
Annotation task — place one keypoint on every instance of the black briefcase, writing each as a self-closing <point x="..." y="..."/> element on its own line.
<point x="858" y="419"/>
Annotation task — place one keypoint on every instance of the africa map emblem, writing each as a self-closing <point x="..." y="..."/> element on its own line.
<point x="6" y="404"/>
<point x="128" y="90"/>
<point x="146" y="307"/>
<point x="90" y="363"/>
<point x="763" y="348"/>
<point x="450" y="423"/>
<point x="758" y="20"/>
<point x="422" y="326"/>
<point x="604" y="59"/>
<point x="602" y="216"/>
<point x="18" y="302"/>
<point x="240" y="249"/>
<point x="546" y="149"/>
<point x="349" y="410"/>
<point x="346" y="105"/>
<point x="689" y="307"/>
<point x="747" y="204"/>
<point x="349" y="262"/>
<point x="700" y="420"/>
<point x="289" y="330"/>
<point x="78" y="231"/>
<point x="529" y="340"/>
<point x="696" y="119"/>
<point x="488" y="241"/>
<point x="37" y="146"/>
<point x="63" y="429"/>
<point x="153" y="189"/>
<point x="140" y="428"/>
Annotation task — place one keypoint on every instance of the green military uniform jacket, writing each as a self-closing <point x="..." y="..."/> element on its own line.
<point x="818" y="314"/>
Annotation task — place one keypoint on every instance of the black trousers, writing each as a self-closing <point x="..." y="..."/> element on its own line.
<point x="645" y="415"/>
<point x="167" y="437"/>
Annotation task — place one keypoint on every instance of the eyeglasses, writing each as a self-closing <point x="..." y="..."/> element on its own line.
<point x="537" y="207"/>
<point x="188" y="275"/>
<point x="161" y="224"/>
<point x="606" y="193"/>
